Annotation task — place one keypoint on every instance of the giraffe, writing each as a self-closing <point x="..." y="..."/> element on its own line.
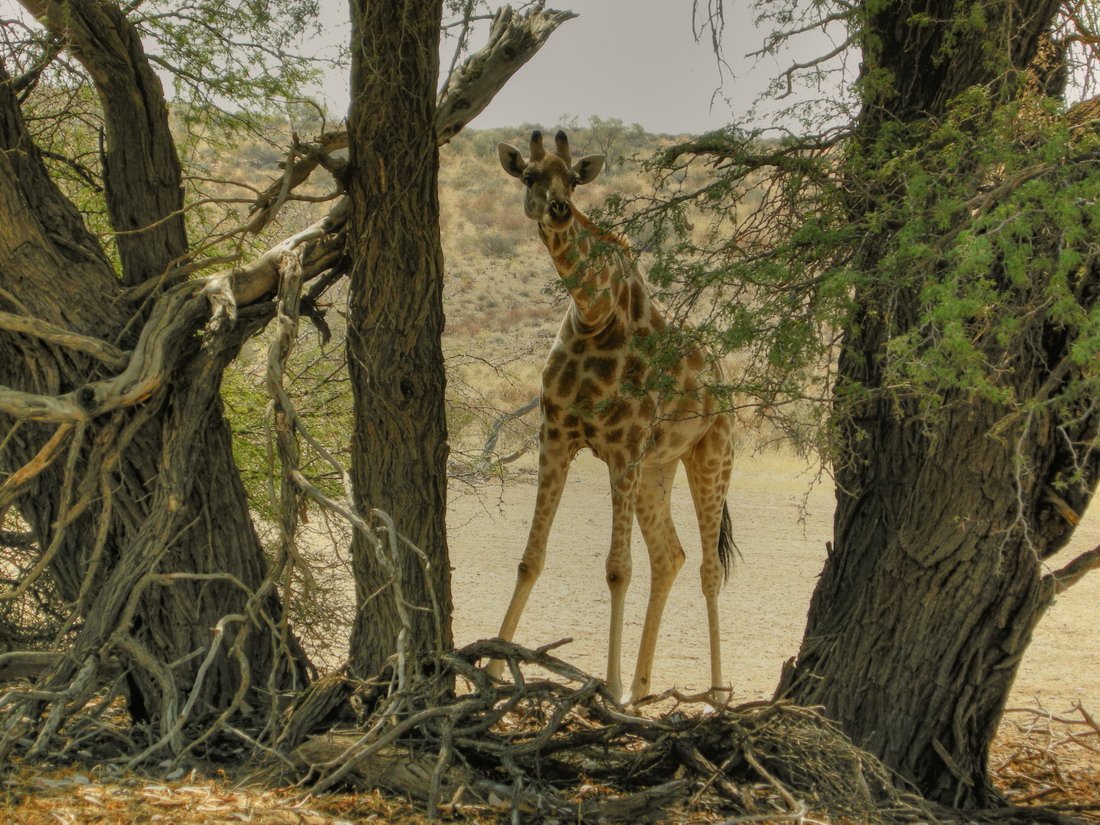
<point x="592" y="396"/>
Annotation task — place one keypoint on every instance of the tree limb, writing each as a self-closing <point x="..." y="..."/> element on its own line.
<point x="99" y="349"/>
<point x="178" y="313"/>
<point x="1061" y="580"/>
<point x="51" y="450"/>
<point x="142" y="173"/>
<point x="513" y="40"/>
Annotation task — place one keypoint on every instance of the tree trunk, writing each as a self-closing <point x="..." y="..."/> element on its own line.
<point x="934" y="584"/>
<point x="399" y="447"/>
<point x="929" y="597"/>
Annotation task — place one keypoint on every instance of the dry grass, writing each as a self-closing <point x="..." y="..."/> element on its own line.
<point x="82" y="796"/>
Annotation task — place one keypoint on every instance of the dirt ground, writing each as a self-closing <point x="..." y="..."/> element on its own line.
<point x="781" y="523"/>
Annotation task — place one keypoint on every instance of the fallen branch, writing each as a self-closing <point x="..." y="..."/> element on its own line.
<point x="529" y="745"/>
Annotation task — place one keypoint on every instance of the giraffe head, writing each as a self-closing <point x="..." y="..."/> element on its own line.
<point x="550" y="178"/>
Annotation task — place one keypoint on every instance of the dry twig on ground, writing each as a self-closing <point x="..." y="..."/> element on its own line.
<point x="562" y="748"/>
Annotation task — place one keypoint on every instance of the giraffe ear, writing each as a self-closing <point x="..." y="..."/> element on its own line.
<point x="588" y="168"/>
<point x="511" y="160"/>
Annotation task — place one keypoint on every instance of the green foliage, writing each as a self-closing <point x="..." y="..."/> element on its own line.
<point x="992" y="234"/>
<point x="247" y="54"/>
<point x="973" y="231"/>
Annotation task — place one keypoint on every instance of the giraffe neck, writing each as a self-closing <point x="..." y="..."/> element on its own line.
<point x="595" y="266"/>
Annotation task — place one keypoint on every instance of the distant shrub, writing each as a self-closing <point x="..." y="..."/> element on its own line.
<point x="498" y="244"/>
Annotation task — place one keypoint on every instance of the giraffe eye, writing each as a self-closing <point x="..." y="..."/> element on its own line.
<point x="528" y="181"/>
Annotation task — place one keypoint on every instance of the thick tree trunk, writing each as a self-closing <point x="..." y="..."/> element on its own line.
<point x="399" y="447"/>
<point x="934" y="584"/>
<point x="930" y="595"/>
<point x="141" y="170"/>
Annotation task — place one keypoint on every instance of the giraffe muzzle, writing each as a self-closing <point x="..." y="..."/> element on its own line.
<point x="560" y="211"/>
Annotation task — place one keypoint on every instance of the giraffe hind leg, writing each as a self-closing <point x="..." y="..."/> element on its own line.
<point x="709" y="467"/>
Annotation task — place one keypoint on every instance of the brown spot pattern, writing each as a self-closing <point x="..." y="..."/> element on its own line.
<point x="618" y="411"/>
<point x="637" y="301"/>
<point x="633" y="368"/>
<point x="568" y="379"/>
<point x="602" y="368"/>
<point x="611" y="339"/>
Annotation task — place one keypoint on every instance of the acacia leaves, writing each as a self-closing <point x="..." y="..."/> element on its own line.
<point x="993" y="233"/>
<point x="971" y="237"/>
<point x="246" y="53"/>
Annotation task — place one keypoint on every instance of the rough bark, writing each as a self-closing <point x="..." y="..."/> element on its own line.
<point x="141" y="170"/>
<point x="399" y="447"/>
<point x="141" y="518"/>
<point x="934" y="584"/>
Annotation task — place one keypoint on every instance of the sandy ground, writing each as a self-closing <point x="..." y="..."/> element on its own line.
<point x="781" y="524"/>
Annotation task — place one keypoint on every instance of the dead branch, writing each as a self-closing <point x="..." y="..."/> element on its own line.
<point x="26" y="664"/>
<point x="494" y="432"/>
<point x="513" y="40"/>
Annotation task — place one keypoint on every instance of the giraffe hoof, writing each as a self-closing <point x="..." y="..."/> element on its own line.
<point x="718" y="698"/>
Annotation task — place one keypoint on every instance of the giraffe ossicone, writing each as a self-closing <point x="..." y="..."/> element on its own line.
<point x="593" y="396"/>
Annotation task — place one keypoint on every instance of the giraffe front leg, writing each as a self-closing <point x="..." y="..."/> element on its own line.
<point x="624" y="490"/>
<point x="666" y="557"/>
<point x="553" y="469"/>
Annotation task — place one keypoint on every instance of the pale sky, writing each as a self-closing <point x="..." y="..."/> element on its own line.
<point x="636" y="60"/>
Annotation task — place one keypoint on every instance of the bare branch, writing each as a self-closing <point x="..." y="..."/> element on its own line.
<point x="1061" y="580"/>
<point x="513" y="40"/>
<point x="12" y="485"/>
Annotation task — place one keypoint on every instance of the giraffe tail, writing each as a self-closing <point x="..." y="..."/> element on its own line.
<point x="726" y="545"/>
